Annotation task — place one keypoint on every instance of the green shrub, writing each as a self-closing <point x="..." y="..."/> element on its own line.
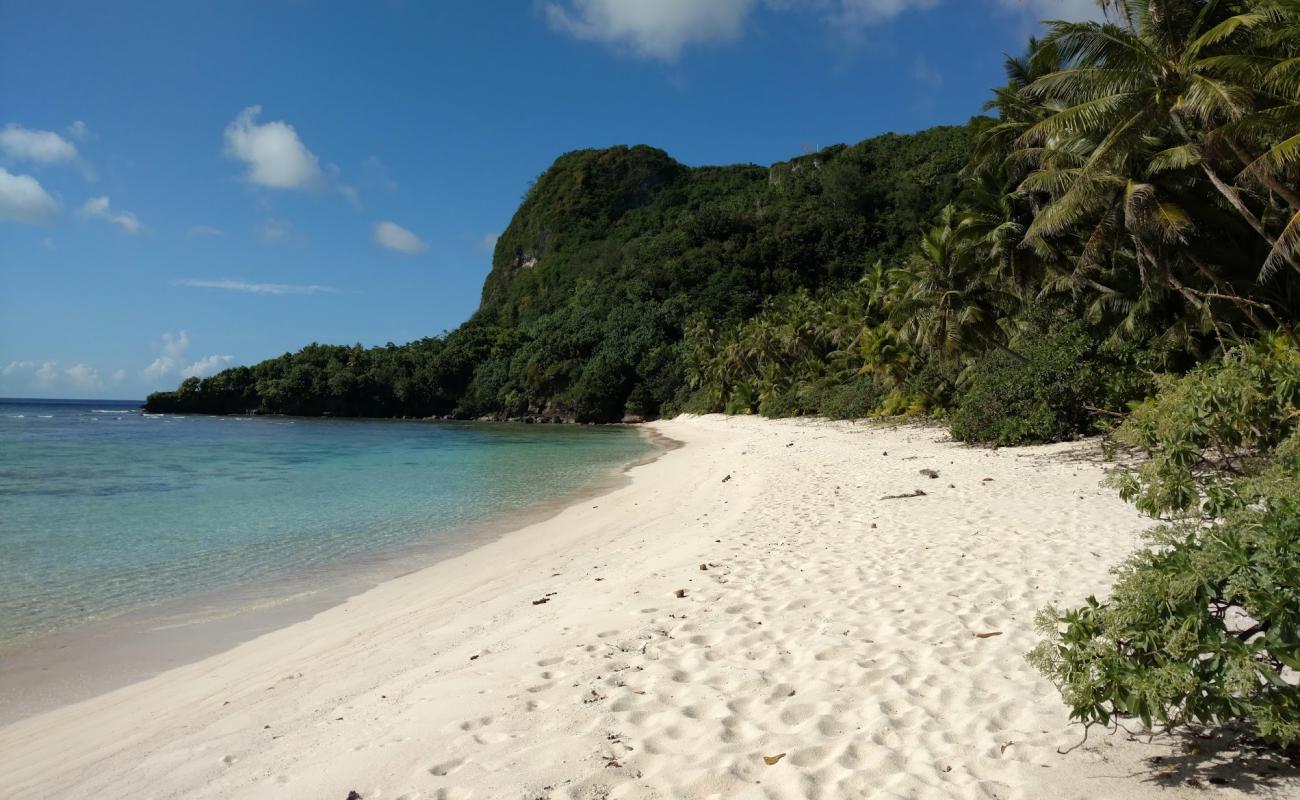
<point x="853" y="400"/>
<point x="1043" y="393"/>
<point x="1202" y="627"/>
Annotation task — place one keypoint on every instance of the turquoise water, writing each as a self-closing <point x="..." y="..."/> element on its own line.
<point x="104" y="509"/>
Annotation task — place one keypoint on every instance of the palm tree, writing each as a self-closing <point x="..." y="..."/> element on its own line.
<point x="1156" y="95"/>
<point x="949" y="305"/>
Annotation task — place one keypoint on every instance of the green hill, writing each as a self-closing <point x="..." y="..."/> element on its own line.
<point x="610" y="255"/>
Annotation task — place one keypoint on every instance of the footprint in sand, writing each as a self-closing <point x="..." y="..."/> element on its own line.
<point x="446" y="767"/>
<point x="471" y="724"/>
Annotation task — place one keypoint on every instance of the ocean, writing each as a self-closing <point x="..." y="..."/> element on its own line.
<point x="105" y="510"/>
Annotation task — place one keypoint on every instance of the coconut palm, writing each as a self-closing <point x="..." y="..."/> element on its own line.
<point x="950" y="305"/>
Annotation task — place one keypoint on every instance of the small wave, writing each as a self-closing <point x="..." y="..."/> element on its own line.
<point x="45" y="416"/>
<point x="16" y="416"/>
<point x="153" y="416"/>
<point x="111" y="411"/>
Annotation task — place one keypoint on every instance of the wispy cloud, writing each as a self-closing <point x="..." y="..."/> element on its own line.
<point x="259" y="288"/>
<point x="1074" y="10"/>
<point x="204" y="231"/>
<point x="275" y="231"/>
<point x="926" y="73"/>
<point x="101" y="208"/>
<point x="375" y="174"/>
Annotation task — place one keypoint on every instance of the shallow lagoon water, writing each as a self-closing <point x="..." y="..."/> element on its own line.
<point x="105" y="510"/>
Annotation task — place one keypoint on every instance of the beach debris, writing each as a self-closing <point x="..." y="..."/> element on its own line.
<point x="541" y="600"/>
<point x="770" y="760"/>
<point x="885" y="453"/>
<point x="724" y="480"/>
<point x="917" y="493"/>
<point x="1003" y="747"/>
<point x="680" y="592"/>
<point x="474" y="657"/>
<point x="704" y="568"/>
<point x="354" y="795"/>
<point x="930" y="473"/>
<point x="988" y="634"/>
<point x="986" y="480"/>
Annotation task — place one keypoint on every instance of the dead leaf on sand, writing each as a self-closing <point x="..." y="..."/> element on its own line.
<point x="770" y="760"/>
<point x="988" y="634"/>
<point x="680" y="592"/>
<point x="917" y="493"/>
<point x="541" y="600"/>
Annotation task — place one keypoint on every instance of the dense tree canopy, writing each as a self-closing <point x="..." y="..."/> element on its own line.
<point x="609" y="256"/>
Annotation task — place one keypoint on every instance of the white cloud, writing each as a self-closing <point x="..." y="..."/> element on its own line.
<point x="1074" y="10"/>
<point x="173" y="348"/>
<point x="83" y="376"/>
<point x="23" y="199"/>
<point x="172" y="356"/>
<point x="662" y="29"/>
<point x="206" y="366"/>
<point x="395" y="237"/>
<point x="204" y="231"/>
<point x="118" y="376"/>
<point x="40" y="147"/>
<point x="17" y="366"/>
<point x="275" y="231"/>
<point x="101" y="208"/>
<point x="650" y="30"/>
<point x="275" y="156"/>
<point x="47" y="373"/>
<point x="259" y="288"/>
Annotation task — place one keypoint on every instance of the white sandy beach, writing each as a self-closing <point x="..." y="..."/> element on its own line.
<point x="819" y="623"/>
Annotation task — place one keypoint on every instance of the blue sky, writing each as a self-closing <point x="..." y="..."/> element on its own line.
<point x="189" y="185"/>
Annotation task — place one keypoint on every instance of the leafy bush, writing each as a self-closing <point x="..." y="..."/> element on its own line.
<point x="1043" y="393"/>
<point x="1203" y="627"/>
<point x="852" y="400"/>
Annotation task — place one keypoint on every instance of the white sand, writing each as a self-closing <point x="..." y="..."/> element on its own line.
<point x="831" y="625"/>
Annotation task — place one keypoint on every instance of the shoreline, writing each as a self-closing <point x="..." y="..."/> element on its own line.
<point x="750" y="615"/>
<point x="95" y="656"/>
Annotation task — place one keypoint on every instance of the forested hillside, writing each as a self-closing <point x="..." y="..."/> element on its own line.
<point x="610" y="256"/>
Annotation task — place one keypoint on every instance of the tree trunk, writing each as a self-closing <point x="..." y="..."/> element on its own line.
<point x="1231" y="195"/>
<point x="1274" y="185"/>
